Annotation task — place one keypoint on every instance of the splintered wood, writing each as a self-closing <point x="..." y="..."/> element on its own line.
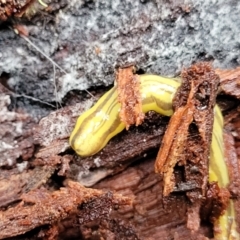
<point x="41" y="207"/>
<point x="187" y="140"/>
<point x="128" y="85"/>
<point x="230" y="81"/>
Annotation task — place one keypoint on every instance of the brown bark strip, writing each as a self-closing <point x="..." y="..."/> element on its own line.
<point x="230" y="81"/>
<point x="187" y="140"/>
<point x="188" y="137"/>
<point x="172" y="147"/>
<point x="233" y="165"/>
<point x="217" y="200"/>
<point x="13" y="184"/>
<point x="48" y="208"/>
<point x="128" y="85"/>
<point x="166" y="145"/>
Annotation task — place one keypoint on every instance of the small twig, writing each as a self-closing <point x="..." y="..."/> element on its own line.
<point x="55" y="85"/>
<point x="32" y="98"/>
<point x="39" y="50"/>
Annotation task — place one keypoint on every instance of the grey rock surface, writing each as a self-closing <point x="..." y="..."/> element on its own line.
<point x="90" y="39"/>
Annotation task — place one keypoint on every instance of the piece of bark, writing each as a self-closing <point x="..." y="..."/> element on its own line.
<point x="153" y="215"/>
<point x="217" y="200"/>
<point x="189" y="145"/>
<point x="232" y="122"/>
<point x="58" y="125"/>
<point x="41" y="207"/>
<point x="172" y="147"/>
<point x="13" y="184"/>
<point x="51" y="233"/>
<point x="230" y="81"/>
<point x="96" y="212"/>
<point x="9" y="8"/>
<point x="16" y="134"/>
<point x="52" y="134"/>
<point x="188" y="137"/>
<point x="233" y="163"/>
<point x="114" y="229"/>
<point x="128" y="87"/>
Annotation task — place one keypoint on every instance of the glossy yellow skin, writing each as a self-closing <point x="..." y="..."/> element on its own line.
<point x="218" y="172"/>
<point x="98" y="125"/>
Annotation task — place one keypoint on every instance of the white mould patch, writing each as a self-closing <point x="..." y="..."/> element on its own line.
<point x="21" y="51"/>
<point x="4" y="146"/>
<point x="89" y="178"/>
<point x="97" y="161"/>
<point x="18" y="127"/>
<point x="10" y="162"/>
<point x="22" y="166"/>
<point x="70" y="81"/>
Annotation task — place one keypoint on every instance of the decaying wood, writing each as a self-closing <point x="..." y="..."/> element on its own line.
<point x="217" y="200"/>
<point x="154" y="215"/>
<point x="13" y="184"/>
<point x="188" y="137"/>
<point x="129" y="96"/>
<point x="171" y="151"/>
<point x="42" y="207"/>
<point x="230" y="81"/>
<point x="151" y="214"/>
<point x="194" y="102"/>
<point x="232" y="156"/>
<point x="16" y="133"/>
